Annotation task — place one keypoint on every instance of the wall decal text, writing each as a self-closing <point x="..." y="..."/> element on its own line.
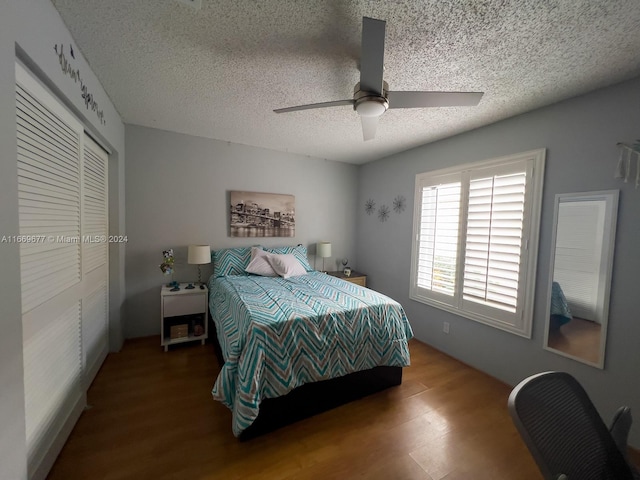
<point x="74" y="73"/>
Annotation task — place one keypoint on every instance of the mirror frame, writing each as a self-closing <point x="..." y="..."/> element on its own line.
<point x="610" y="198"/>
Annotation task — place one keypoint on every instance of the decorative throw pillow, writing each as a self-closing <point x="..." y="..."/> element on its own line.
<point x="259" y="264"/>
<point x="231" y="261"/>
<point x="299" y="251"/>
<point x="286" y="265"/>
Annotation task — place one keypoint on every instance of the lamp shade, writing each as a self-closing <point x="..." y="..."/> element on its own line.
<point x="323" y="249"/>
<point x="199" y="254"/>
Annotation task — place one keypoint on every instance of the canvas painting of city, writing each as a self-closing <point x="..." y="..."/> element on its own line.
<point x="256" y="214"/>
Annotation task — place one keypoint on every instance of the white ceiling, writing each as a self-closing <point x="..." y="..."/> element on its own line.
<point x="219" y="72"/>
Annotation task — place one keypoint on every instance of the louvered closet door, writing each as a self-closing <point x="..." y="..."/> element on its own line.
<point x="62" y="185"/>
<point x="95" y="226"/>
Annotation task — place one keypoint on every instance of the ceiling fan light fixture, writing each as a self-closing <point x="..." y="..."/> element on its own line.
<point x="371" y="106"/>
<point x="371" y="95"/>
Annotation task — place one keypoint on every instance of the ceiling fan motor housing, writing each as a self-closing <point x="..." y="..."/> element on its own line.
<point x="369" y="104"/>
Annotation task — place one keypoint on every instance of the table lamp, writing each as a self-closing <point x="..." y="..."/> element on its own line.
<point x="199" y="255"/>
<point x="323" y="250"/>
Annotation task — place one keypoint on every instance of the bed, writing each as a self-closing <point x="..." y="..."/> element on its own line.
<point x="285" y="343"/>
<point x="560" y="312"/>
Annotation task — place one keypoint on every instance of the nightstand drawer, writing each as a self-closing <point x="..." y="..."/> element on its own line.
<point x="355" y="277"/>
<point x="362" y="281"/>
<point x="184" y="305"/>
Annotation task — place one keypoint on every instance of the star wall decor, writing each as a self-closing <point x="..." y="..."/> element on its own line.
<point x="383" y="213"/>
<point x="369" y="206"/>
<point x="399" y="204"/>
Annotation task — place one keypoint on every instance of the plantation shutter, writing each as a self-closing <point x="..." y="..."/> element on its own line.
<point x="62" y="198"/>
<point x="494" y="238"/>
<point x="439" y="237"/>
<point x="476" y="239"/>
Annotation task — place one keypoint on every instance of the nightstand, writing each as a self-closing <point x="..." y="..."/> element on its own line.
<point x="183" y="314"/>
<point x="355" y="277"/>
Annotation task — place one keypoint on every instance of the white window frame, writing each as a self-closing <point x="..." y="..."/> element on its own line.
<point x="520" y="322"/>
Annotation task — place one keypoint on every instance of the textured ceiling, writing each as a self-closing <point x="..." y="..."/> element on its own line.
<point x="218" y="72"/>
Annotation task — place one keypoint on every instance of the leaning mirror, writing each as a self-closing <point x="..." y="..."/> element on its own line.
<point x="580" y="275"/>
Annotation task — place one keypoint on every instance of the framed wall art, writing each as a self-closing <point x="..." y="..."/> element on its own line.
<point x="255" y="214"/>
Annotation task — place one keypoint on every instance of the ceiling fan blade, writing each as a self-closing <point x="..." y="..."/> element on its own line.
<point x="372" y="55"/>
<point x="336" y="103"/>
<point x="369" y="127"/>
<point x="433" y="99"/>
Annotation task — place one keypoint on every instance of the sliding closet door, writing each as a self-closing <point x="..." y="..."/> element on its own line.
<point x="62" y="189"/>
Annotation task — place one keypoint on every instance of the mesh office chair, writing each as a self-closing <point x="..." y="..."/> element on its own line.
<point x="564" y="432"/>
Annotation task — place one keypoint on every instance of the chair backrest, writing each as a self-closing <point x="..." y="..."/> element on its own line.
<point x="564" y="431"/>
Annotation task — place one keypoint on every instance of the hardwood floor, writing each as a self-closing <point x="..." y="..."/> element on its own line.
<point x="152" y="417"/>
<point x="580" y="338"/>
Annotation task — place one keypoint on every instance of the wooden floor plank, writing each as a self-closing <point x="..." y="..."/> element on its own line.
<point x="152" y="416"/>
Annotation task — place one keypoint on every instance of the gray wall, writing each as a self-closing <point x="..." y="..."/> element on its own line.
<point x="30" y="28"/>
<point x="580" y="136"/>
<point x="177" y="192"/>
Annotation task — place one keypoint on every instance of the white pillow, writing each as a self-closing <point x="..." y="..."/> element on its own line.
<point x="286" y="265"/>
<point x="259" y="264"/>
<point x="257" y="252"/>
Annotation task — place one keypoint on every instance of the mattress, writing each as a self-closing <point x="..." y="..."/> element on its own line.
<point x="277" y="334"/>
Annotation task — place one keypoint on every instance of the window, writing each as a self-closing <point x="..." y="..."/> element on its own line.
<point x="476" y="239"/>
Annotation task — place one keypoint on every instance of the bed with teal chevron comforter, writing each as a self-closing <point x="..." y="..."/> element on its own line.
<point x="277" y="334"/>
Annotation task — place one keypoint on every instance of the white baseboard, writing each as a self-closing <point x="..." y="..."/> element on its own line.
<point x="40" y="466"/>
<point x="92" y="370"/>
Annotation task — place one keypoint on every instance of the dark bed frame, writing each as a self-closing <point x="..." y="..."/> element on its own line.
<point x="314" y="398"/>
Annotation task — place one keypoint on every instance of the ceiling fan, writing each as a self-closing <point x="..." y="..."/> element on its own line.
<point x="371" y="97"/>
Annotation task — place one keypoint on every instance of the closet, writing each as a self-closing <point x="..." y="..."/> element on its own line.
<point x="63" y="236"/>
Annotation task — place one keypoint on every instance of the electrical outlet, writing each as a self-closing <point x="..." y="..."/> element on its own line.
<point x="445" y="327"/>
